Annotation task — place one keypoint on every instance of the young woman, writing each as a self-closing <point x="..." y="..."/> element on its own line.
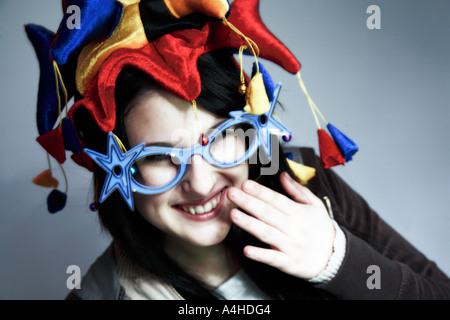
<point x="192" y="214"/>
<point x="220" y="234"/>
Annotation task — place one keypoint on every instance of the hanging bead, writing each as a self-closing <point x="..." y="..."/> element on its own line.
<point x="93" y="207"/>
<point x="242" y="89"/>
<point x="287" y="138"/>
<point x="205" y="140"/>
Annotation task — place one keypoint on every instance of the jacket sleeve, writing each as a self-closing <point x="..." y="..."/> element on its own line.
<point x="379" y="263"/>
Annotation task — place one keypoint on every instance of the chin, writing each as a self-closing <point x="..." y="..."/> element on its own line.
<point x="208" y="237"/>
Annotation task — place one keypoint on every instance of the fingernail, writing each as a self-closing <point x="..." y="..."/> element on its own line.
<point x="249" y="185"/>
<point x="232" y="193"/>
<point x="236" y="215"/>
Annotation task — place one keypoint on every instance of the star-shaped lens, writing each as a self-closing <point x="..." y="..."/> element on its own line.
<point x="117" y="166"/>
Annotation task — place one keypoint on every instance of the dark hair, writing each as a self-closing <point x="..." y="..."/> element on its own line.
<point x="140" y="240"/>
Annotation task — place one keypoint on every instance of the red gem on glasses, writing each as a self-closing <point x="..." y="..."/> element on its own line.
<point x="205" y="140"/>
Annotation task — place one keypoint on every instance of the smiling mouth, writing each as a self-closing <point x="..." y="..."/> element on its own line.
<point x="202" y="209"/>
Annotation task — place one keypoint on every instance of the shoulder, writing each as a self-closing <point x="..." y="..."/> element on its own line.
<point x="100" y="282"/>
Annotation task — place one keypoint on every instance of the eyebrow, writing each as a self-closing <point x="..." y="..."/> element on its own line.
<point x="171" y="145"/>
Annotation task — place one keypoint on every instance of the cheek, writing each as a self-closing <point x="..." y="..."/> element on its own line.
<point x="152" y="208"/>
<point x="241" y="172"/>
<point x="156" y="209"/>
<point x="233" y="176"/>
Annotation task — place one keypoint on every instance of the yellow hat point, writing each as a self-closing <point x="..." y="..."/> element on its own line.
<point x="256" y="96"/>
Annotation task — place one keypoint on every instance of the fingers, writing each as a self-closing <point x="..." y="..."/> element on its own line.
<point x="261" y="230"/>
<point x="298" y="192"/>
<point x="295" y="226"/>
<point x="270" y="257"/>
<point x="266" y="194"/>
<point x="256" y="207"/>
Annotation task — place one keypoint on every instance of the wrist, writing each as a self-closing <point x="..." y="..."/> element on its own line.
<point x="337" y="256"/>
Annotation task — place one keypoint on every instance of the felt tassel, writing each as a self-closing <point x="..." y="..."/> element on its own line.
<point x="56" y="201"/>
<point x="329" y="152"/>
<point x="256" y="96"/>
<point x="267" y="79"/>
<point x="53" y="143"/>
<point x="45" y="179"/>
<point x="83" y="160"/>
<point x="302" y="172"/>
<point x="70" y="137"/>
<point x="346" y="146"/>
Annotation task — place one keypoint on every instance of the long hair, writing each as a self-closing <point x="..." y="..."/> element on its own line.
<point x="139" y="239"/>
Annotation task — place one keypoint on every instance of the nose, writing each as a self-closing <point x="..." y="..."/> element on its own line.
<point x="199" y="178"/>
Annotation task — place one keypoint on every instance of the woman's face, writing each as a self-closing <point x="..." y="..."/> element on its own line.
<point x="196" y="210"/>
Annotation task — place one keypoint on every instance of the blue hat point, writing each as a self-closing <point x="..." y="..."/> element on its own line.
<point x="70" y="137"/>
<point x="345" y="145"/>
<point x="97" y="19"/>
<point x="47" y="103"/>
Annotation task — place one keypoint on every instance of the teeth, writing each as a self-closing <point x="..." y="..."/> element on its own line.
<point x="208" y="207"/>
<point x="202" y="209"/>
<point x="199" y="210"/>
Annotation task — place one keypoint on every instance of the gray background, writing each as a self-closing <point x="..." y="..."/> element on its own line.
<point x="387" y="89"/>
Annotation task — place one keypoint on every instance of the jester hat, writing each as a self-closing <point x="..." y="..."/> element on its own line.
<point x="162" y="38"/>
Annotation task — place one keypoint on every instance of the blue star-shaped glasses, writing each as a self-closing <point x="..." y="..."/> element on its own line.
<point x="122" y="172"/>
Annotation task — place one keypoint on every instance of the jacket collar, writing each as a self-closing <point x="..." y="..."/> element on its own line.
<point x="100" y="282"/>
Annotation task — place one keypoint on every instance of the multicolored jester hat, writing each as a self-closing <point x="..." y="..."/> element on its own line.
<point x="164" y="39"/>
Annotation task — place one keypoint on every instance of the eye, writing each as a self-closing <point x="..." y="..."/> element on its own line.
<point x="156" y="158"/>
<point x="231" y="145"/>
<point x="155" y="170"/>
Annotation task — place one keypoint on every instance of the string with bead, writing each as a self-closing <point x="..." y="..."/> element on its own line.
<point x="250" y="44"/>
<point x="203" y="139"/>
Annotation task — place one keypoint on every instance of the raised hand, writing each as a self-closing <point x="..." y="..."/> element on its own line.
<point x="299" y="230"/>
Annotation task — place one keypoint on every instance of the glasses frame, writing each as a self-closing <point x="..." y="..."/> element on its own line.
<point x="184" y="155"/>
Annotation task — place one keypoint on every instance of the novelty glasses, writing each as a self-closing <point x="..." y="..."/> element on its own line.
<point x="156" y="169"/>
